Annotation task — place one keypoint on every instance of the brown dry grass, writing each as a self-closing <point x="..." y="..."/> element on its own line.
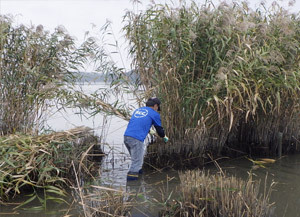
<point x="205" y="195"/>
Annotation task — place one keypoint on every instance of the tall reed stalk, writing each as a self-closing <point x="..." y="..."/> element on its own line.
<point x="227" y="75"/>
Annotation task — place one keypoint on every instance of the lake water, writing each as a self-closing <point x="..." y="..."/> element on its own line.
<point x="285" y="171"/>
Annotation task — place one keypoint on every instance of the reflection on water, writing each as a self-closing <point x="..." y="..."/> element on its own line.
<point x="152" y="184"/>
<point x="152" y="189"/>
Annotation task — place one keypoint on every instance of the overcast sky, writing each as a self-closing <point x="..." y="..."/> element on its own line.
<point x="78" y="16"/>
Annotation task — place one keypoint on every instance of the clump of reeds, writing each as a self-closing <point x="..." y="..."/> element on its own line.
<point x="36" y="66"/>
<point x="105" y="201"/>
<point x="202" y="194"/>
<point x="226" y="75"/>
<point x="42" y="162"/>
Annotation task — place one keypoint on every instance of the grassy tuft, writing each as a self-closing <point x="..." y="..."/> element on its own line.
<point x="104" y="201"/>
<point x="202" y="194"/>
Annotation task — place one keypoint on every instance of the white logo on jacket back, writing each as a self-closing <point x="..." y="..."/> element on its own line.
<point x="140" y="113"/>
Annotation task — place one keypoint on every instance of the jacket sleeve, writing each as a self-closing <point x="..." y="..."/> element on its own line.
<point x="157" y="124"/>
<point x="160" y="131"/>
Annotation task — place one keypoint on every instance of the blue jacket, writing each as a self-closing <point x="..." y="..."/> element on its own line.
<point x="141" y="121"/>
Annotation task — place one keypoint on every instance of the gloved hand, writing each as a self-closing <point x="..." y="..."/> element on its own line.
<point x="166" y="139"/>
<point x="152" y="132"/>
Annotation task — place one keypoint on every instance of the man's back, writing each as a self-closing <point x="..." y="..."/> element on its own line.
<point x="141" y="121"/>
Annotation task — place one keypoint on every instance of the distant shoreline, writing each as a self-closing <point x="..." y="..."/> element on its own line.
<point x="94" y="77"/>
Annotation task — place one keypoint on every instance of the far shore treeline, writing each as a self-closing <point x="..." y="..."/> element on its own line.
<point x="92" y="77"/>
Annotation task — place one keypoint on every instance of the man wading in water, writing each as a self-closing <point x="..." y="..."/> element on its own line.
<point x="139" y="125"/>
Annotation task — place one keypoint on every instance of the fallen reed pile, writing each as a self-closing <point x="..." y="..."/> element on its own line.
<point x="227" y="75"/>
<point x="205" y="195"/>
<point x="42" y="162"/>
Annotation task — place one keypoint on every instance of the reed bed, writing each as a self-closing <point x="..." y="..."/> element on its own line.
<point x="227" y="75"/>
<point x="37" y="67"/>
<point x="38" y="70"/>
<point x="33" y="163"/>
<point x="202" y="194"/>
